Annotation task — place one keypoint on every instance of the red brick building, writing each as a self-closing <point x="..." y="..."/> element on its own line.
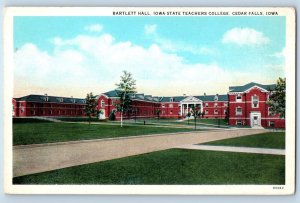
<point x="243" y="105"/>
<point x="44" y="105"/>
<point x="247" y="106"/>
<point x="145" y="106"/>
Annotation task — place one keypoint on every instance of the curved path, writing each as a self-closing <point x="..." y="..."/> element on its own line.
<point x="29" y="159"/>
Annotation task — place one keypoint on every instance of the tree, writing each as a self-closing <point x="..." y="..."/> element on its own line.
<point x="90" y="106"/>
<point x="188" y="115"/>
<point x="196" y="113"/>
<point x="125" y="90"/>
<point x="112" y="116"/>
<point x="276" y="100"/>
<point x="157" y="111"/>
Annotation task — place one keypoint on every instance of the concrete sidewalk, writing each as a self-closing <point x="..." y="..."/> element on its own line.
<point x="29" y="159"/>
<point x="235" y="149"/>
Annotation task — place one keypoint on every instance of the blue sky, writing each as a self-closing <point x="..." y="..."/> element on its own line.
<point x="167" y="55"/>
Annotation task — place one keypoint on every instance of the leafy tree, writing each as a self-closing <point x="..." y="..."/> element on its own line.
<point x="276" y="100"/>
<point x="125" y="90"/>
<point x="196" y="113"/>
<point x="188" y="115"/>
<point x="157" y="112"/>
<point x="90" y="106"/>
<point x="203" y="114"/>
<point x="112" y="116"/>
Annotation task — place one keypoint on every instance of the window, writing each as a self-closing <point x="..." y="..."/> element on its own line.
<point x="238" y="111"/>
<point x="206" y="111"/>
<point x="171" y="99"/>
<point x="43" y="112"/>
<point x="102" y="103"/>
<point x="46" y="99"/>
<point x="254" y="101"/>
<point x="171" y="105"/>
<point x="225" y="112"/>
<point x="61" y="99"/>
<point x="239" y="122"/>
<point x="216" y="104"/>
<point x="216" y="98"/>
<point x="50" y="112"/>
<point x="238" y="98"/>
<point x="271" y="124"/>
<point x="163" y="105"/>
<point x="225" y="104"/>
<point x="216" y="111"/>
<point x="206" y="104"/>
<point x="171" y="112"/>
<point x="33" y="113"/>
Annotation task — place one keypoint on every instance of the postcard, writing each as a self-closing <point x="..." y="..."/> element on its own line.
<point x="149" y="100"/>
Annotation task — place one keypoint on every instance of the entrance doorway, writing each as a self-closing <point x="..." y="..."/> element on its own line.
<point x="255" y="119"/>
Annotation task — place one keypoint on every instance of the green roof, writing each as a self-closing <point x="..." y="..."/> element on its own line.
<point x="143" y="97"/>
<point x="56" y="99"/>
<point x="249" y="85"/>
<point x="112" y="93"/>
<point x="202" y="98"/>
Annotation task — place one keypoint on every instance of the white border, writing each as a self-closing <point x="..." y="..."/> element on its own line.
<point x="289" y="187"/>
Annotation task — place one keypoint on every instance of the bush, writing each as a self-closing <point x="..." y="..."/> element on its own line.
<point x="112" y="116"/>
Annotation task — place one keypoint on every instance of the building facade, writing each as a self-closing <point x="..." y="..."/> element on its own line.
<point x="146" y="106"/>
<point x="242" y="106"/>
<point x="247" y="106"/>
<point x="44" y="105"/>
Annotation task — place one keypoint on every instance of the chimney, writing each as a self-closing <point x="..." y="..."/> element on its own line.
<point x="46" y="94"/>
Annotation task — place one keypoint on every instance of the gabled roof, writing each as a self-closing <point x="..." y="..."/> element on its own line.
<point x="175" y="99"/>
<point x="56" y="99"/>
<point x="250" y="85"/>
<point x="112" y="93"/>
<point x="222" y="97"/>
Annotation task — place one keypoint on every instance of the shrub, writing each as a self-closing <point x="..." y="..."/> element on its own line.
<point x="112" y="116"/>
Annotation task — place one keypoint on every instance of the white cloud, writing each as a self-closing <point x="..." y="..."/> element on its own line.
<point x="94" y="63"/>
<point x="150" y="29"/>
<point x="244" y="36"/>
<point x="281" y="54"/>
<point x="176" y="46"/>
<point x="94" y="28"/>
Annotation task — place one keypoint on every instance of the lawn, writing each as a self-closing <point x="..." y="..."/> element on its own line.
<point x="200" y="122"/>
<point x="210" y="121"/>
<point x="265" y="140"/>
<point x="174" y="166"/>
<point x="35" y="133"/>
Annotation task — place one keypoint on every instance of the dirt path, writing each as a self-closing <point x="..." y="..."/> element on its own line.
<point x="29" y="159"/>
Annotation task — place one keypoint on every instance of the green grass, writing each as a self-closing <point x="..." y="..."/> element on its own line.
<point x="78" y="119"/>
<point x="175" y="166"/>
<point x="173" y="121"/>
<point x="29" y="120"/>
<point x="265" y="140"/>
<point x="210" y="121"/>
<point x="35" y="133"/>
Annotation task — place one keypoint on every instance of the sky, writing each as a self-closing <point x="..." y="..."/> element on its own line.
<point x="167" y="56"/>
